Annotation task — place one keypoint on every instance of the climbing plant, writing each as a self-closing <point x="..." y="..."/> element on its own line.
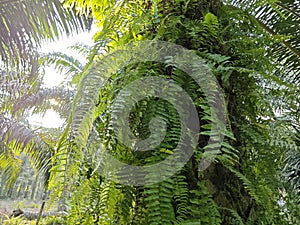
<point x="243" y="184"/>
<point x="243" y="45"/>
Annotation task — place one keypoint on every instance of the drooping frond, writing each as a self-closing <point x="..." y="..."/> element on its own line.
<point x="24" y="24"/>
<point x="58" y="99"/>
<point x="15" y="139"/>
<point x="281" y="19"/>
<point x="292" y="169"/>
<point x="64" y="63"/>
<point x="14" y="85"/>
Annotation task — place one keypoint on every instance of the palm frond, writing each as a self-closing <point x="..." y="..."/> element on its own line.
<point x="13" y="85"/>
<point x="292" y="169"/>
<point x="58" y="99"/>
<point x="15" y="139"/>
<point x="64" y="63"/>
<point x="281" y="19"/>
<point x="24" y="24"/>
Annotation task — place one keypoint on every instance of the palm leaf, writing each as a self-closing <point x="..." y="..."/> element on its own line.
<point x="292" y="169"/>
<point x="64" y="63"/>
<point x="15" y="139"/>
<point x="24" y="24"/>
<point x="58" y="99"/>
<point x="281" y="19"/>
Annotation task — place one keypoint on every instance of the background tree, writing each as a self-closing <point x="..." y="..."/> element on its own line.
<point x="24" y="26"/>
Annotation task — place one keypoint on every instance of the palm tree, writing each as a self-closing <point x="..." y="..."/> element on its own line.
<point x="19" y="99"/>
<point x="24" y="26"/>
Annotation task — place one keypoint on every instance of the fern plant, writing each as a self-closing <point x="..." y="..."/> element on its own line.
<point x="239" y="187"/>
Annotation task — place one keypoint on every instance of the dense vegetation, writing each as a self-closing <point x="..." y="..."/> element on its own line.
<point x="251" y="49"/>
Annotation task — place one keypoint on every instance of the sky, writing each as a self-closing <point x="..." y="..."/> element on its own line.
<point x="53" y="79"/>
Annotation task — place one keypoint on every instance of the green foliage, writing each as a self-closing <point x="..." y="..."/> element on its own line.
<point x="281" y="20"/>
<point x="242" y="185"/>
<point x="53" y="221"/>
<point x="17" y="221"/>
<point x="21" y="95"/>
<point x="21" y="32"/>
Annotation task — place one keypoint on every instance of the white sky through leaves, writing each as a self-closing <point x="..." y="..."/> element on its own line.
<point x="53" y="79"/>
